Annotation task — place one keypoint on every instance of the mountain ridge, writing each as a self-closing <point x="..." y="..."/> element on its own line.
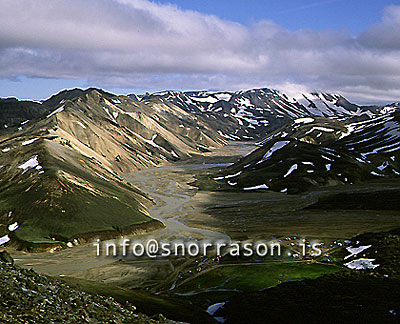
<point x="61" y="170"/>
<point x="62" y="160"/>
<point x="316" y="152"/>
<point x="256" y="112"/>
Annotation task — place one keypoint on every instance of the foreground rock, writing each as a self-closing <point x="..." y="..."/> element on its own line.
<point x="5" y="257"/>
<point x="27" y="297"/>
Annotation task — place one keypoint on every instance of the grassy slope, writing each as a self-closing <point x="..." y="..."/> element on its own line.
<point x="347" y="296"/>
<point x="255" y="276"/>
<point x="68" y="200"/>
<point x="144" y="302"/>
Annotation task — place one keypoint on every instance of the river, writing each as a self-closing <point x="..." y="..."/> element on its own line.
<point x="167" y="185"/>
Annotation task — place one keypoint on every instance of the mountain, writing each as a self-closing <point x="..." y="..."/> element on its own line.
<point x="251" y="114"/>
<point x="312" y="152"/>
<point x="62" y="160"/>
<point x="60" y="171"/>
<point x="16" y="113"/>
<point x="65" y="95"/>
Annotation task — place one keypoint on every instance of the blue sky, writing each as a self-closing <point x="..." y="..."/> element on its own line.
<point x="350" y="47"/>
<point x="354" y="15"/>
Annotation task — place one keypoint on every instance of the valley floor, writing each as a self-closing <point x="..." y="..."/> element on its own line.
<point x="189" y="213"/>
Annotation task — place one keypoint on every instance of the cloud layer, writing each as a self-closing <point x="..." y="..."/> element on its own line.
<point x="141" y="44"/>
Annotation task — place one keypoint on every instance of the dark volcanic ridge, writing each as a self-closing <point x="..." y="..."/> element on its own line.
<point x="313" y="152"/>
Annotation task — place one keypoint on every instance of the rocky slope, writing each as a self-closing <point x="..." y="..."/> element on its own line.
<point x="28" y="297"/>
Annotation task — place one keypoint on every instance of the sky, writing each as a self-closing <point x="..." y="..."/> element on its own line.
<point x="351" y="47"/>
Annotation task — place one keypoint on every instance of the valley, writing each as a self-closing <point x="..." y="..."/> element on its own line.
<point x="199" y="162"/>
<point x="249" y="166"/>
<point x="192" y="214"/>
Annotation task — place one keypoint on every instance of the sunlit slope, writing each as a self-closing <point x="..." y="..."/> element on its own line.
<point x="56" y="195"/>
<point x="61" y="171"/>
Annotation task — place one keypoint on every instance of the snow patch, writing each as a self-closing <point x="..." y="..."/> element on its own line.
<point x="322" y="129"/>
<point x="13" y="227"/>
<point x="244" y="102"/>
<point x="263" y="186"/>
<point x="29" y="141"/>
<point x="223" y="96"/>
<point x="213" y="308"/>
<point x="305" y="120"/>
<point x="356" y="250"/>
<point x="277" y="146"/>
<point x="4" y="239"/>
<point x="30" y="164"/>
<point x="55" y="111"/>
<point x="383" y="166"/>
<point x="208" y="99"/>
<point x="219" y="178"/>
<point x="233" y="175"/>
<point x="361" y="264"/>
<point x="80" y="124"/>
<point x="292" y="168"/>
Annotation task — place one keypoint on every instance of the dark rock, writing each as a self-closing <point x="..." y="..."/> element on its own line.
<point x="6" y="257"/>
<point x="28" y="297"/>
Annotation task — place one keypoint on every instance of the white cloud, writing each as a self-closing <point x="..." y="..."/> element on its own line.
<point x="386" y="34"/>
<point x="141" y="44"/>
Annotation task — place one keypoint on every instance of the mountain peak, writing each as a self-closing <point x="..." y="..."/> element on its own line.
<point x="69" y="94"/>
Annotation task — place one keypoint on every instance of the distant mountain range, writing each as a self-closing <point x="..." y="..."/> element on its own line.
<point x="254" y="113"/>
<point x="61" y="160"/>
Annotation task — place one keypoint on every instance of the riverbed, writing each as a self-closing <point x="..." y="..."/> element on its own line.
<point x="175" y="204"/>
<point x="192" y="214"/>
